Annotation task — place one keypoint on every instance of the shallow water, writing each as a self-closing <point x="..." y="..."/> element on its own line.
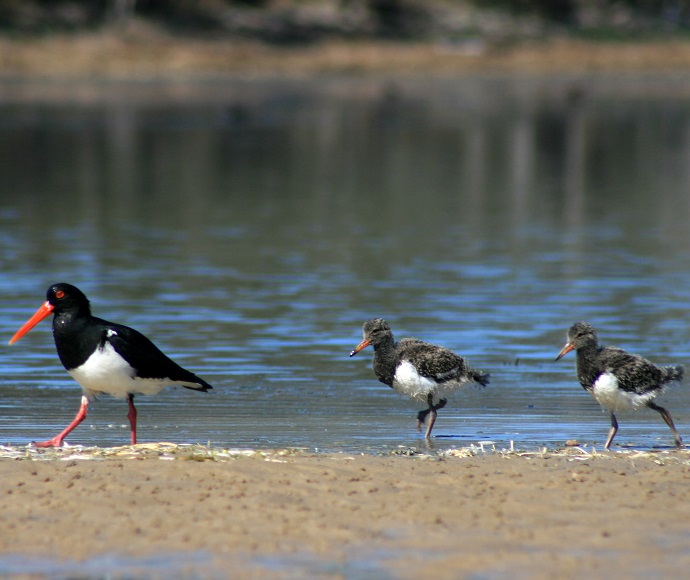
<point x="249" y="229"/>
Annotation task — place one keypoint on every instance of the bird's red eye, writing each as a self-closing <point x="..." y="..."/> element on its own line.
<point x="60" y="294"/>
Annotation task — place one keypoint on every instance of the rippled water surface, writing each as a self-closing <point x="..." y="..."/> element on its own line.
<point x="250" y="228"/>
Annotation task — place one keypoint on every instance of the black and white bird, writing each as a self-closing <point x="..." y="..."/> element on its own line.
<point x="104" y="357"/>
<point x="422" y="371"/>
<point x="617" y="379"/>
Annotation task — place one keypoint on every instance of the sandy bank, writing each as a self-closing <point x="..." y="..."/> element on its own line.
<point x="530" y="515"/>
<point x="152" y="54"/>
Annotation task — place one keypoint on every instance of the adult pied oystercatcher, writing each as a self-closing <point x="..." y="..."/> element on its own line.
<point x="104" y="357"/>
<point x="617" y="379"/>
<point x="422" y="371"/>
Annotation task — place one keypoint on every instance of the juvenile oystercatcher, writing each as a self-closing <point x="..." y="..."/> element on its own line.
<point x="420" y="370"/>
<point x="617" y="379"/>
<point x="104" y="357"/>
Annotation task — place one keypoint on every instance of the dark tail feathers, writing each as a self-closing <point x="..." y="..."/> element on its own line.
<point x="673" y="373"/>
<point x="199" y="384"/>
<point x="483" y="378"/>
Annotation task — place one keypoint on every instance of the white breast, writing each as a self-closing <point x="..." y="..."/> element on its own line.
<point x="105" y="371"/>
<point x="409" y="382"/>
<point x="605" y="390"/>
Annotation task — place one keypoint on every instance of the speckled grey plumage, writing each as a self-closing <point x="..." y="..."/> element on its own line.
<point x="635" y="374"/>
<point x="420" y="370"/>
<point x="618" y="379"/>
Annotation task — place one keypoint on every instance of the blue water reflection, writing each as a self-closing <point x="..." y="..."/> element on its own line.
<point x="250" y="228"/>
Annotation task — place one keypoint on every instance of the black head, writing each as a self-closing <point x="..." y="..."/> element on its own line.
<point x="59" y="298"/>
<point x="374" y="331"/>
<point x="65" y="297"/>
<point x="580" y="335"/>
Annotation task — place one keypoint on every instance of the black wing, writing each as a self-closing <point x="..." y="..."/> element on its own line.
<point x="146" y="358"/>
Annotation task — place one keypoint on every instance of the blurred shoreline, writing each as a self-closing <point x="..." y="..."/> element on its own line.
<point x="141" y="53"/>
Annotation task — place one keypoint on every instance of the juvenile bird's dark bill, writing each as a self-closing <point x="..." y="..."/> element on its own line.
<point x="565" y="350"/>
<point x="45" y="310"/>
<point x="365" y="343"/>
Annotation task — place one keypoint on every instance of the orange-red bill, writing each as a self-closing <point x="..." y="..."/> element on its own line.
<point x="365" y="343"/>
<point x="45" y="310"/>
<point x="565" y="350"/>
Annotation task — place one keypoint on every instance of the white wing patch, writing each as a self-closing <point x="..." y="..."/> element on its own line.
<point x="105" y="371"/>
<point x="605" y="390"/>
<point x="408" y="381"/>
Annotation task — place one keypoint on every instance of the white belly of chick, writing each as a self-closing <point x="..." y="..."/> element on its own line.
<point x="607" y="393"/>
<point x="408" y="381"/>
<point x="105" y="371"/>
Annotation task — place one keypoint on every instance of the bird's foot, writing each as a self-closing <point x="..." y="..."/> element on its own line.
<point x="422" y="415"/>
<point x="54" y="442"/>
<point x="421" y="418"/>
<point x="442" y="403"/>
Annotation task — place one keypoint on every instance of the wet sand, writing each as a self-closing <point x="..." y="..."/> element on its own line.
<point x="572" y="513"/>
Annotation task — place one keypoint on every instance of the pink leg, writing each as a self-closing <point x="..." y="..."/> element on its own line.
<point x="132" y="416"/>
<point x="79" y="417"/>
